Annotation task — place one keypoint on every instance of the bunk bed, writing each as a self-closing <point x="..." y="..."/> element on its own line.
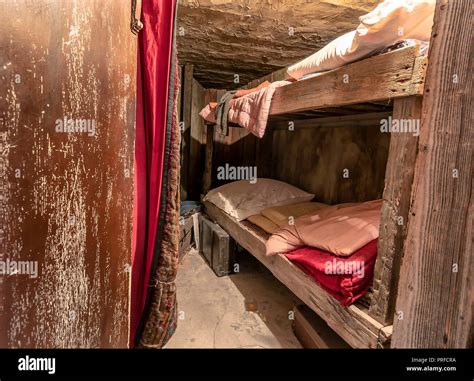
<point x="387" y="84"/>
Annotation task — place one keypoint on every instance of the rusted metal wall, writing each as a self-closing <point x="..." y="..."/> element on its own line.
<point x="67" y="114"/>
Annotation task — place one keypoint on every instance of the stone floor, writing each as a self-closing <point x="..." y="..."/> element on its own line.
<point x="245" y="310"/>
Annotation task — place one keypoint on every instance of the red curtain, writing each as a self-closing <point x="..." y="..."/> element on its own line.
<point x="153" y="90"/>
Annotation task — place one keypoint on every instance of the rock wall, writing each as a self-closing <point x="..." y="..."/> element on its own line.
<point x="251" y="38"/>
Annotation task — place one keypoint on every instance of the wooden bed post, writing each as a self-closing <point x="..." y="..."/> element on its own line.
<point x="397" y="193"/>
<point x="434" y="306"/>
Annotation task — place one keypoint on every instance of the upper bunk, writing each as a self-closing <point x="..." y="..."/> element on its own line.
<point x="373" y="82"/>
<point x="356" y="90"/>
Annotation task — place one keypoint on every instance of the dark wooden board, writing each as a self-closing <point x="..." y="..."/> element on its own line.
<point x="67" y="198"/>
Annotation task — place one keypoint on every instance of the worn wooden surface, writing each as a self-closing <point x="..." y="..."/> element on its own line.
<point x="352" y="323"/>
<point x="67" y="198"/>
<point x="395" y="74"/>
<point x="312" y="159"/>
<point x="209" y="152"/>
<point x="185" y="122"/>
<point x="436" y="289"/>
<point x="394" y="219"/>
<point x="313" y="332"/>
<point x="197" y="142"/>
<point x="217" y="247"/>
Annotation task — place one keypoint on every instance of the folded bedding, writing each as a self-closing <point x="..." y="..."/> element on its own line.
<point x="390" y="22"/>
<point x="345" y="278"/>
<point x="338" y="229"/>
<point x="285" y="214"/>
<point x="263" y="223"/>
<point x="273" y="218"/>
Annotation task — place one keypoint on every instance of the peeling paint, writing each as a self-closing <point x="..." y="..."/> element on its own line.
<point x="71" y="207"/>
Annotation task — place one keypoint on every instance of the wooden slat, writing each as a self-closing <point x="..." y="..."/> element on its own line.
<point x="395" y="74"/>
<point x="314" y="157"/>
<point x="352" y="323"/>
<point x="207" y="175"/>
<point x="196" y="142"/>
<point x="333" y="121"/>
<point x="436" y="286"/>
<point x="313" y="332"/>
<point x="263" y="155"/>
<point x="186" y="132"/>
<point x="394" y="219"/>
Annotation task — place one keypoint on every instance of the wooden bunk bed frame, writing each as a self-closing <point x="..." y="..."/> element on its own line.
<point x="395" y="78"/>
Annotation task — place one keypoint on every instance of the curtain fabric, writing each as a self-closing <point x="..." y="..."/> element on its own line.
<point x="156" y="208"/>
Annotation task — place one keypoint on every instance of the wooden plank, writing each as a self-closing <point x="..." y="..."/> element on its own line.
<point x="207" y="175"/>
<point x="436" y="283"/>
<point x="394" y="218"/>
<point x="263" y="155"/>
<point x="312" y="159"/>
<point x="313" y="332"/>
<point x="352" y="323"/>
<point x="355" y="120"/>
<point x="66" y="198"/>
<point x="279" y="75"/>
<point x="392" y="75"/>
<point x="186" y="129"/>
<point x="196" y="142"/>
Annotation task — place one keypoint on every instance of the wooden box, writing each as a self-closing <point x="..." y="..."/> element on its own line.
<point x="313" y="332"/>
<point x="217" y="247"/>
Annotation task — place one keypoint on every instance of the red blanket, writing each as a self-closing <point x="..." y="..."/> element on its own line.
<point x="345" y="278"/>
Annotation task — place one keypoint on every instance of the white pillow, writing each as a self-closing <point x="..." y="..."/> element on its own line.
<point x="242" y="199"/>
<point x="390" y="22"/>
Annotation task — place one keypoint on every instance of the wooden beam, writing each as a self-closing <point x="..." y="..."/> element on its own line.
<point x="279" y="75"/>
<point x="186" y="130"/>
<point x="354" y="120"/>
<point x="207" y="175"/>
<point x="393" y="225"/>
<point x="352" y="323"/>
<point x="436" y="289"/>
<point x="197" y="140"/>
<point x="392" y="75"/>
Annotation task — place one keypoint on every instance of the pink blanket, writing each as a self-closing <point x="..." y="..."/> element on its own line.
<point x="339" y="229"/>
<point x="249" y="111"/>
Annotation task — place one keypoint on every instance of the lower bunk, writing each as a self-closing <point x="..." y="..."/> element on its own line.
<point x="352" y="323"/>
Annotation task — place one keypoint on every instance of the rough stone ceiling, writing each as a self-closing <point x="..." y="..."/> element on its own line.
<point x="252" y="38"/>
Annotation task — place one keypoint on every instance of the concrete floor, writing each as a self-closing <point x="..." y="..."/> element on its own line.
<point x="245" y="310"/>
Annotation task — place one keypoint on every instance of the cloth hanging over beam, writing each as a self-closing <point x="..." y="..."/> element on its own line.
<point x="156" y="208"/>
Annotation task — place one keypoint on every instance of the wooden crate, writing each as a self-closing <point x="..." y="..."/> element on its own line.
<point x="313" y="332"/>
<point x="217" y="247"/>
